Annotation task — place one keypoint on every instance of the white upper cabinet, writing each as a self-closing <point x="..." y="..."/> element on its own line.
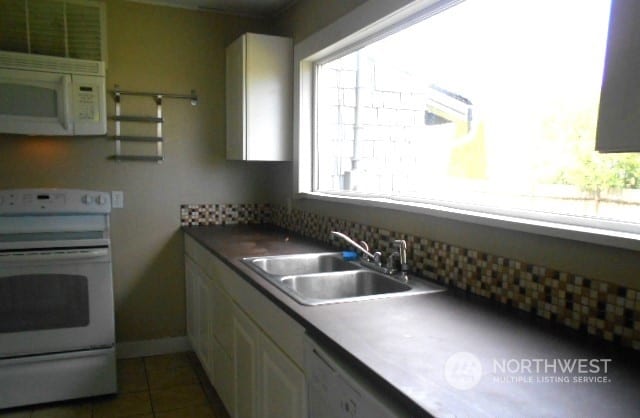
<point x="619" y="118"/>
<point x="259" y="98"/>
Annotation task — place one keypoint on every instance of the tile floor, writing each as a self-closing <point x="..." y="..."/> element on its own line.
<point x="165" y="386"/>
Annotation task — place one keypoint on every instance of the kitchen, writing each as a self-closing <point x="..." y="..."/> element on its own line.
<point x="157" y="48"/>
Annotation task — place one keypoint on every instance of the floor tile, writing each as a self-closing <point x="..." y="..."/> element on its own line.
<point x="179" y="389"/>
<point x="132" y="376"/>
<point x="73" y="410"/>
<point x="168" y="378"/>
<point x="177" y="398"/>
<point x="219" y="410"/>
<point x="132" y="381"/>
<point x="168" y="361"/>
<point x="201" y="411"/>
<point x="131" y="365"/>
<point x="123" y="405"/>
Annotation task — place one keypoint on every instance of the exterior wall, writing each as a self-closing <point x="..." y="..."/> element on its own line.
<point x="374" y="136"/>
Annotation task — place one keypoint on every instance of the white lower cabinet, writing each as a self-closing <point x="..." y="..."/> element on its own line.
<point x="221" y="345"/>
<point x="246" y="336"/>
<point x="250" y="349"/>
<point x="191" y="301"/>
<point x="282" y="386"/>
<point x="196" y="303"/>
<point x="203" y="290"/>
<point x="268" y="383"/>
<point x="208" y="325"/>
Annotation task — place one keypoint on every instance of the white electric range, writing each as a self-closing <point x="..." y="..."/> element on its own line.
<point x="57" y="338"/>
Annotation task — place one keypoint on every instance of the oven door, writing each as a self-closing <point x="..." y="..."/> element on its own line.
<point x="55" y="300"/>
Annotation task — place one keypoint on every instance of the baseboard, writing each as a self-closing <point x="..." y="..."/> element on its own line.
<point x="145" y="348"/>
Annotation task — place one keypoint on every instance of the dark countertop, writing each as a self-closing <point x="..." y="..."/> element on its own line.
<point x="403" y="344"/>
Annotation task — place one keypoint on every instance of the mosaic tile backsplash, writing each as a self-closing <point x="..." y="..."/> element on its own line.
<point x="224" y="214"/>
<point x="596" y="307"/>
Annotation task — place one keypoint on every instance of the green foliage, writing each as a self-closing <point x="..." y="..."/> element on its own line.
<point x="628" y="167"/>
<point x="591" y="171"/>
<point x="596" y="173"/>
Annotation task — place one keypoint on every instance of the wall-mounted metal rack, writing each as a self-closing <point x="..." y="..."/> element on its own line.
<point x="157" y="119"/>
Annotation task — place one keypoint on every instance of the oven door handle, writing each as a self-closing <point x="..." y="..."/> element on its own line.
<point x="55" y="255"/>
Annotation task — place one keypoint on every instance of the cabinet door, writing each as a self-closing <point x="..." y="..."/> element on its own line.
<point x="202" y="319"/>
<point x="268" y="97"/>
<point x="235" y="97"/>
<point x="191" y="302"/>
<point x="206" y="326"/>
<point x="245" y="357"/>
<point x="222" y="345"/>
<point x="282" y="385"/>
<point x="259" y="98"/>
<point x="222" y="318"/>
<point x="224" y="380"/>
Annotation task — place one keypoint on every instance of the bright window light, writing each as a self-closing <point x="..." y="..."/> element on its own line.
<point x="488" y="104"/>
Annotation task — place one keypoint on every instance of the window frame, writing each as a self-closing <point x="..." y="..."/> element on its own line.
<point x="373" y="20"/>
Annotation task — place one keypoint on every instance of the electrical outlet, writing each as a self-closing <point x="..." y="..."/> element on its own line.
<point x="117" y="199"/>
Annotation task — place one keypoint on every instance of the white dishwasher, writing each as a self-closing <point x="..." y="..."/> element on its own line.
<point x="334" y="389"/>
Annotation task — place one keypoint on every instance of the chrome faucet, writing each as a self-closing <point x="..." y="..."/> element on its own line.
<point x="363" y="247"/>
<point x="373" y="260"/>
<point x="401" y="245"/>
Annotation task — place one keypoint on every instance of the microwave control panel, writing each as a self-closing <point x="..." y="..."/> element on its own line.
<point x="89" y="107"/>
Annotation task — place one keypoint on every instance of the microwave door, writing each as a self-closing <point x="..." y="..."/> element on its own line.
<point x="35" y="103"/>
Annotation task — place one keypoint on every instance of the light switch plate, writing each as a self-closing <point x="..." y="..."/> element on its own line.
<point x="117" y="199"/>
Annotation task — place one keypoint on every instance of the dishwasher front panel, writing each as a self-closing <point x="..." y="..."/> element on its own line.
<point x="336" y="392"/>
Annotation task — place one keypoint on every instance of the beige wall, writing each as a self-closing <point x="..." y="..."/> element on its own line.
<point x="604" y="263"/>
<point x="307" y="16"/>
<point x="152" y="49"/>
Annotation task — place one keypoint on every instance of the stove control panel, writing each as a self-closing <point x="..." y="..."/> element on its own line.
<point x="52" y="201"/>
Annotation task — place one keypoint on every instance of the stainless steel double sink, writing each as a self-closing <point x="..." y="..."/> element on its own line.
<point x="323" y="278"/>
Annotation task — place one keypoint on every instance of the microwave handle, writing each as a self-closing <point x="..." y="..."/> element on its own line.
<point x="64" y="100"/>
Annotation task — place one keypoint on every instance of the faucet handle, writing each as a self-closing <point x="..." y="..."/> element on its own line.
<point x="402" y="249"/>
<point x="402" y="254"/>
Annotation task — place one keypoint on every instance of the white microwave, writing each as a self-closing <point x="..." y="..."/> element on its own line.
<point x="43" y="95"/>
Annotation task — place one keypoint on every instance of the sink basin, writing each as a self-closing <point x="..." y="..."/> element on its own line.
<point x="285" y="265"/>
<point x="343" y="285"/>
<point x="323" y="278"/>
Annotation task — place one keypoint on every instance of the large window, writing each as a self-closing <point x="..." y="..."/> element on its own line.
<point x="489" y="104"/>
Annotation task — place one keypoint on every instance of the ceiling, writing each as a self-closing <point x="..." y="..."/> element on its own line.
<point x="260" y="8"/>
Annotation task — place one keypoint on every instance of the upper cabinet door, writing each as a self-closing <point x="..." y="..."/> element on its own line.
<point x="259" y="98"/>
<point x="619" y="118"/>
<point x="235" y="99"/>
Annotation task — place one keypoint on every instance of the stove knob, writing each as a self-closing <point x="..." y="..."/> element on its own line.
<point x="101" y="200"/>
<point x="87" y="200"/>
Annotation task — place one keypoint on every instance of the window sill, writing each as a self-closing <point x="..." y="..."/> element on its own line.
<point x="592" y="235"/>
